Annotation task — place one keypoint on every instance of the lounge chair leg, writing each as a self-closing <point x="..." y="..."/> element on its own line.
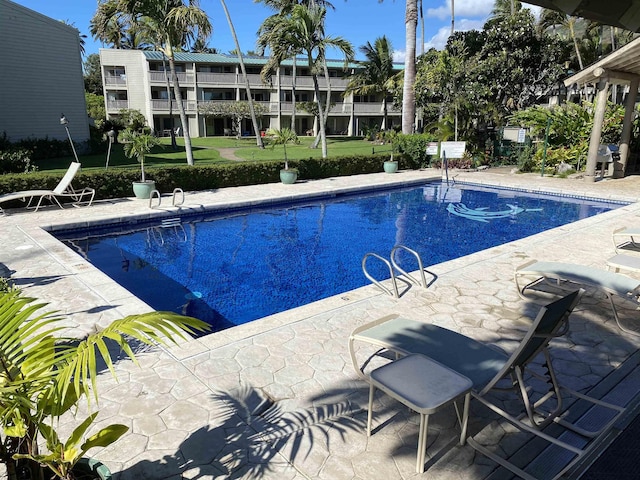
<point x="372" y="389"/>
<point x="422" y="442"/>
<point x="615" y="315"/>
<point x="465" y="419"/>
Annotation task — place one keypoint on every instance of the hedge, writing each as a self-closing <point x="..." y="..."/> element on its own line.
<point x="116" y="182"/>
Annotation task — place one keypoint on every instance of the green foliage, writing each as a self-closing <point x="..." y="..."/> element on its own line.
<point x="37" y="148"/>
<point x="132" y="119"/>
<point x="16" y="160"/>
<point x="569" y="131"/>
<point x="237" y="111"/>
<point x="93" y="77"/>
<point x="138" y="145"/>
<point x="414" y="147"/>
<point x="44" y="375"/>
<point x="282" y="137"/>
<point x="95" y="106"/>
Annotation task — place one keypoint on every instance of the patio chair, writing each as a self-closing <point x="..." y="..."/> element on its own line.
<point x="63" y="189"/>
<point x="489" y="368"/>
<point x="612" y="284"/>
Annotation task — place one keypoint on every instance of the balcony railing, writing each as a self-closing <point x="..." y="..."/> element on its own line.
<point x="217" y="78"/>
<point x="159" y="76"/>
<point x="115" y="80"/>
<point x="117" y="104"/>
<point x="189" y="105"/>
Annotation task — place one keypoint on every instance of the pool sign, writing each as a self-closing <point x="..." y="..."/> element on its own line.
<point x="452" y="149"/>
<point x="432" y="148"/>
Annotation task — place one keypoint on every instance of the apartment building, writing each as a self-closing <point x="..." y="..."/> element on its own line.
<point x="41" y="76"/>
<point x="138" y="79"/>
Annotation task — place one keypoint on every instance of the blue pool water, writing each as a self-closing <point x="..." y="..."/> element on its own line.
<point x="233" y="268"/>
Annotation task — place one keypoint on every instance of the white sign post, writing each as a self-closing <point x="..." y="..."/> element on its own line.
<point x="450" y="150"/>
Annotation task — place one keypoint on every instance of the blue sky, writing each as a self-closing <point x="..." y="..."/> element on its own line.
<point x="358" y="21"/>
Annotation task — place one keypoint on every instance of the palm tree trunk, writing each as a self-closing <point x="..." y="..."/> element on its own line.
<point x="166" y="76"/>
<point x="327" y="105"/>
<point x="293" y="94"/>
<point x="408" y="94"/>
<point x="323" y="133"/>
<point x="247" y="87"/>
<point x="183" y="115"/>
<point x="453" y="15"/>
<point x="575" y="43"/>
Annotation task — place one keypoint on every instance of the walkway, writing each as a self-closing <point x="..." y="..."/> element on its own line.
<point x="278" y="398"/>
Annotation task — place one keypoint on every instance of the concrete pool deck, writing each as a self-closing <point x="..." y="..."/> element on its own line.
<point x="278" y="398"/>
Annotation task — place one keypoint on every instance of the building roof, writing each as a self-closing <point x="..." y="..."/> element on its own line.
<point x="619" y="13"/>
<point x="248" y="59"/>
<point x="620" y="66"/>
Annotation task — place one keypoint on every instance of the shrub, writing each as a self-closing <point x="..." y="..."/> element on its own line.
<point x="116" y="182"/>
<point x="16" y="160"/>
<point x="414" y="146"/>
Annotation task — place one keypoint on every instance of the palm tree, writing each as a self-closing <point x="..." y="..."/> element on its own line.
<point x="247" y="87"/>
<point x="302" y="32"/>
<point x="376" y="74"/>
<point x="553" y="19"/>
<point x="283" y="7"/>
<point x="44" y="374"/>
<point x="408" y="92"/>
<point x="175" y="24"/>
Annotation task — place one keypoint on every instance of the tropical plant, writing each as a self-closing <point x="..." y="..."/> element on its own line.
<point x="238" y="111"/>
<point x="174" y="25"/>
<point x="376" y="74"/>
<point x="138" y="145"/>
<point x="283" y="136"/>
<point x="45" y="375"/>
<point x="302" y="31"/>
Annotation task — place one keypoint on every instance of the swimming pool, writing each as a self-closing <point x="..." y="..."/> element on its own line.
<point x="234" y="267"/>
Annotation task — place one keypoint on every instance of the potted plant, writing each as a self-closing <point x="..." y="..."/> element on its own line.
<point x="137" y="145"/>
<point x="391" y="165"/>
<point x="282" y="137"/>
<point x="43" y="376"/>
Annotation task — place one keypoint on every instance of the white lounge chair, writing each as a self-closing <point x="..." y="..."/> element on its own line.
<point x="489" y="368"/>
<point x="63" y="189"/>
<point x="627" y="240"/>
<point x="556" y="273"/>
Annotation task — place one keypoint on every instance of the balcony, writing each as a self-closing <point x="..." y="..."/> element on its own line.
<point x="117" y="104"/>
<point x="112" y="80"/>
<point x="160" y="77"/>
<point x="217" y="78"/>
<point x="163" y="105"/>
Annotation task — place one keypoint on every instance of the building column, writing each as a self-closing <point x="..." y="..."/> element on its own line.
<point x="596" y="132"/>
<point x="620" y="166"/>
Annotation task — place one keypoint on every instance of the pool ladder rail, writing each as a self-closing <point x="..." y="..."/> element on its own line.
<point x="401" y="275"/>
<point x="175" y="200"/>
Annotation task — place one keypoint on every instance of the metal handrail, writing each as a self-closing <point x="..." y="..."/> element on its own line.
<point x="376" y="282"/>
<point x="410" y="278"/>
<point x="173" y="199"/>
<point x="154" y="193"/>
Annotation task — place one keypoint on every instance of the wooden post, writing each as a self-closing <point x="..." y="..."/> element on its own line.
<point x="596" y="132"/>
<point x="620" y="166"/>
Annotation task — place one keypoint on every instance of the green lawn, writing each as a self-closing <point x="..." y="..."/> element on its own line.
<point x="205" y="151"/>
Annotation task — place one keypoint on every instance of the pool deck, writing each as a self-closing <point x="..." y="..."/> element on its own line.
<point x="278" y="398"/>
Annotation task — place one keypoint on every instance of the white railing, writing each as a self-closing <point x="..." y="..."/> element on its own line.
<point x="117" y="104"/>
<point x="159" y="76"/>
<point x="113" y="80"/>
<point x="189" y="105"/>
<point x="217" y="78"/>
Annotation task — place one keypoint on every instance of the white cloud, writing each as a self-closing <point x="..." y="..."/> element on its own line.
<point x="399" y="55"/>
<point x="439" y="40"/>
<point x="463" y="8"/>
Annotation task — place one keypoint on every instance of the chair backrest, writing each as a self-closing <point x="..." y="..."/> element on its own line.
<point x="552" y="321"/>
<point x="63" y="185"/>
